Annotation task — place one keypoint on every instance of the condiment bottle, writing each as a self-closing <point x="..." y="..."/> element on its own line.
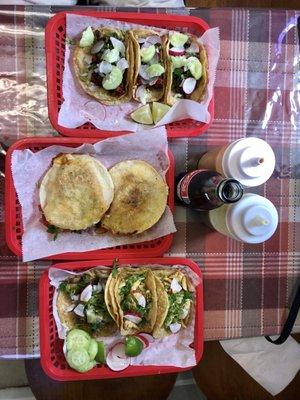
<point x="250" y="160"/>
<point x="253" y="219"/>
<point x="206" y="190"/>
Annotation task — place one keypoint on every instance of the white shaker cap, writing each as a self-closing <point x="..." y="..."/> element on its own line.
<point x="251" y="161"/>
<point x="253" y="219"/>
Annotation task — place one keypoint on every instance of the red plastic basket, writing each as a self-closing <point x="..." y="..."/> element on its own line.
<point x="52" y="357"/>
<point x="13" y="216"/>
<point x="55" y="37"/>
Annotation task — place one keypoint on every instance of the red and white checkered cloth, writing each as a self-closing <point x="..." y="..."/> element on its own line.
<point x="247" y="288"/>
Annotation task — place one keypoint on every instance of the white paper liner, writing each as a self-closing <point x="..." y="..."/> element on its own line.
<point x="79" y="108"/>
<point x="29" y="167"/>
<point x="173" y="350"/>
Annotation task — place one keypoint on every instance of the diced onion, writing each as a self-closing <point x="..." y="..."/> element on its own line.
<point x="97" y="47"/>
<point x="118" y="44"/>
<point x="122" y="64"/>
<point x="189" y="85"/>
<point x="105" y="67"/>
<point x="174" y="328"/>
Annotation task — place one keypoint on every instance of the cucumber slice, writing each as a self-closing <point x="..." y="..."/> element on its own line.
<point x="79" y="359"/>
<point x="77" y="338"/>
<point x="87" y="38"/>
<point x="113" y="79"/>
<point x="147" y="53"/>
<point x="93" y="349"/>
<point x="178" y="61"/>
<point x="143" y="115"/>
<point x="155" y="70"/>
<point x="178" y="39"/>
<point x="111" y="56"/>
<point x="195" y="67"/>
<point x="101" y="354"/>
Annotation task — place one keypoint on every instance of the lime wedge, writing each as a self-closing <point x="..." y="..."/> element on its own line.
<point x="178" y="39"/>
<point x="101" y="357"/>
<point x="142" y="115"/>
<point x="133" y="346"/>
<point x="159" y="110"/>
<point x="113" y="79"/>
<point x="87" y="37"/>
<point x="147" y="53"/>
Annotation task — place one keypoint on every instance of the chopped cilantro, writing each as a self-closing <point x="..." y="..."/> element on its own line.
<point x="176" y="303"/>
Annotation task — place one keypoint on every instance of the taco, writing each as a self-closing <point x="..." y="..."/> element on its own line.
<point x="81" y="304"/>
<point x="174" y="302"/>
<point x="103" y="64"/>
<point x="150" y="78"/>
<point x="187" y="68"/>
<point x="135" y="296"/>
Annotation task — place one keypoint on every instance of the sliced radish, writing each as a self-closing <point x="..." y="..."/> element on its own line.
<point x="132" y="317"/>
<point x="86" y="294"/>
<point x="117" y="364"/>
<point x="193" y="48"/>
<point x="74" y="297"/>
<point x="148" y="337"/>
<point x="79" y="310"/>
<point x="146" y="44"/>
<point x="175" y="286"/>
<point x="189" y="85"/>
<point x="118" y="350"/>
<point x="70" y="308"/>
<point x="97" y="47"/>
<point x="65" y="347"/>
<point x="174" y="328"/>
<point x="154" y="39"/>
<point x="145" y="81"/>
<point x="142" y="72"/>
<point x="177" y="51"/>
<point x="97" y="288"/>
<point x="118" y="44"/>
<point x="122" y="64"/>
<point x="140" y="299"/>
<point x="105" y="67"/>
<point x="144" y="340"/>
<point x="142" y="94"/>
<point x="153" y="81"/>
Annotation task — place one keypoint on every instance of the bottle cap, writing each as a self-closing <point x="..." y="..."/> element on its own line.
<point x="251" y="161"/>
<point x="253" y="219"/>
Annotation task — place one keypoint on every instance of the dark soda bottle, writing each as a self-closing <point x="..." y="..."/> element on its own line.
<point x="205" y="190"/>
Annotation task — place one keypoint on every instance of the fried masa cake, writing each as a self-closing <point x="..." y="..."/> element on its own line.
<point x="140" y="198"/>
<point x="75" y="192"/>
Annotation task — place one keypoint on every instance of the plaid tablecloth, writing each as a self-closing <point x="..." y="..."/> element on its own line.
<point x="247" y="288"/>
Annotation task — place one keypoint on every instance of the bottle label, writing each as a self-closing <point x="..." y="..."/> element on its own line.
<point x="183" y="186"/>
